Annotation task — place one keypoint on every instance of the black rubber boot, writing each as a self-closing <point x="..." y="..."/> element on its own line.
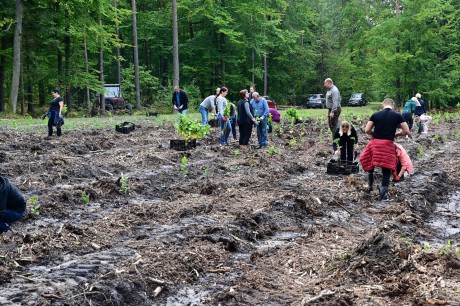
<point x="384" y="194"/>
<point x="370" y="181"/>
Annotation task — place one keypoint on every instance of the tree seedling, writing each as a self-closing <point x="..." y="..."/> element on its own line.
<point x="293" y="143"/>
<point x="426" y="246"/>
<point x="183" y="166"/>
<point x="34" y="206"/>
<point x="236" y="152"/>
<point x="420" y="152"/>
<point x="85" y="197"/>
<point x="124" y="183"/>
<point x="272" y="150"/>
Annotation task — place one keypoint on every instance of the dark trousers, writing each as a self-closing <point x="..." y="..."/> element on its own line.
<point x="245" y="133"/>
<point x="50" y="125"/>
<point x="333" y="122"/>
<point x="386" y="174"/>
<point x="346" y="150"/>
<point x="233" y="124"/>
<point x="408" y="117"/>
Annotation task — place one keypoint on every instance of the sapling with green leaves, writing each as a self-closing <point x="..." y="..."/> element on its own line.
<point x="293" y="143"/>
<point x="189" y="128"/>
<point x="34" y="205"/>
<point x="183" y="166"/>
<point x="85" y="196"/>
<point x="420" y="152"/>
<point x="124" y="183"/>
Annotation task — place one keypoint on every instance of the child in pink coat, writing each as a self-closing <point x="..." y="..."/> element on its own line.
<point x="404" y="164"/>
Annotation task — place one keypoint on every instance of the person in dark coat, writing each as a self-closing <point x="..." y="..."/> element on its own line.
<point x="419" y="111"/>
<point x="12" y="204"/>
<point x="380" y="151"/>
<point x="345" y="139"/>
<point x="180" y="100"/>
<point x="245" y="118"/>
<point x="55" y="113"/>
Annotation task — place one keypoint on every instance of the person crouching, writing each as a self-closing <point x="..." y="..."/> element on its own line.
<point x="345" y="138"/>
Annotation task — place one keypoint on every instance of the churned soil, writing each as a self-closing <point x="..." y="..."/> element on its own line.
<point x="122" y="219"/>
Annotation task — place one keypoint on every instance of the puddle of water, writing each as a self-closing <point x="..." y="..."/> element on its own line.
<point x="445" y="221"/>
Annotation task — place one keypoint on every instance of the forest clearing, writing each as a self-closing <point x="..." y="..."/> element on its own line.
<point x="121" y="219"/>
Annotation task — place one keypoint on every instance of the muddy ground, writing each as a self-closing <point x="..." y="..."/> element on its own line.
<point x="229" y="227"/>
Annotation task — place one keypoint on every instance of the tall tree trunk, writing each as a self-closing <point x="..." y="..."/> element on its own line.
<point x="30" y="94"/>
<point x="41" y="93"/>
<point x="67" y="43"/>
<point x="2" y="74"/>
<point x="88" y="99"/>
<point x="21" y="91"/>
<point x="265" y="74"/>
<point x="251" y="23"/>
<point x="101" y="73"/>
<point x="118" y="49"/>
<point x="175" y="44"/>
<point x="136" y="57"/>
<point x="17" y="54"/>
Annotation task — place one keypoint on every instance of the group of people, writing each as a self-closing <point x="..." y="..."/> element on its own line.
<point x="383" y="127"/>
<point x="250" y="110"/>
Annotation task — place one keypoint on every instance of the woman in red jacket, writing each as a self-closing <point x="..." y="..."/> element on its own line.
<point x="380" y="151"/>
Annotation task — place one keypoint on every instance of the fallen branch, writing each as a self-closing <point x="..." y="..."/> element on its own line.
<point x="159" y="281"/>
<point x="323" y="293"/>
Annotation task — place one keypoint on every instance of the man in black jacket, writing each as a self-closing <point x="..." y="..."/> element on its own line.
<point x="12" y="204"/>
<point x="180" y="100"/>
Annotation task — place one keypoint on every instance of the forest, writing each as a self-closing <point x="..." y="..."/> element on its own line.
<point x="386" y="48"/>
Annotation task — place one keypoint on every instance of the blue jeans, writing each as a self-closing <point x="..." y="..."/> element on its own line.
<point x="10" y="216"/>
<point x="182" y="111"/>
<point x="262" y="132"/>
<point x="204" y="115"/>
<point x="225" y="129"/>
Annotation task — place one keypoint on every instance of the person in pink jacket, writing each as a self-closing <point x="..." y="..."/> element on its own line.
<point x="404" y="164"/>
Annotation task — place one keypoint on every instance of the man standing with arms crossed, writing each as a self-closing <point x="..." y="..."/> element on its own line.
<point x="380" y="151"/>
<point x="333" y="104"/>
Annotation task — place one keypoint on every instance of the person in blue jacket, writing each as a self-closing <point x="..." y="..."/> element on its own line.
<point x="12" y="204"/>
<point x="261" y="111"/>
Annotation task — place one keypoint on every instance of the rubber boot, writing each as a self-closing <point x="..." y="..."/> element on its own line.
<point x="370" y="181"/>
<point x="384" y="194"/>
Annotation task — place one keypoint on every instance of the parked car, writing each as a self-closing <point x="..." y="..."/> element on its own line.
<point x="357" y="99"/>
<point x="114" y="99"/>
<point x="271" y="103"/>
<point x="315" y="101"/>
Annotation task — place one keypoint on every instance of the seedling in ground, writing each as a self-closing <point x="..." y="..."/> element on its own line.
<point x="420" y="152"/>
<point x="84" y="196"/>
<point x="272" y="150"/>
<point x="183" y="166"/>
<point x="426" y="246"/>
<point x="206" y="172"/>
<point x="236" y="153"/>
<point x="34" y="206"/>
<point x="293" y="143"/>
<point x="124" y="183"/>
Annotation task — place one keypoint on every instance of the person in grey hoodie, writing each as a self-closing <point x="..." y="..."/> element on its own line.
<point x="333" y="104"/>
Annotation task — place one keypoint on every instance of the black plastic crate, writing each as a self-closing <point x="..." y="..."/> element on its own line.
<point x="125" y="127"/>
<point x="342" y="167"/>
<point x="182" y="145"/>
